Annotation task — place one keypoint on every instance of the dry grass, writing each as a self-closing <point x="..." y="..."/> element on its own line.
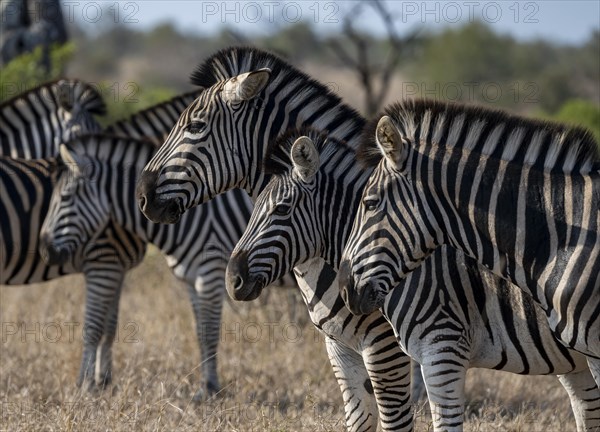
<point x="278" y="383"/>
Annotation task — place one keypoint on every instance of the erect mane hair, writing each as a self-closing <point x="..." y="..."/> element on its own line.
<point x="278" y="159"/>
<point x="153" y="108"/>
<point x="113" y="149"/>
<point x="91" y="100"/>
<point x="368" y="154"/>
<point x="230" y="62"/>
<point x="542" y="144"/>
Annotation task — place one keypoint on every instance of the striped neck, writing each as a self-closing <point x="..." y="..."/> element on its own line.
<point x="293" y="110"/>
<point x="519" y="221"/>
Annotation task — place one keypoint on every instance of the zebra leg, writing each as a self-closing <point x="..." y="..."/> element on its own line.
<point x="207" y="303"/>
<point x="445" y="382"/>
<point x="418" y="392"/>
<point x="360" y="405"/>
<point x="390" y="374"/>
<point x="585" y="399"/>
<point x="103" y="370"/>
<point x="103" y="288"/>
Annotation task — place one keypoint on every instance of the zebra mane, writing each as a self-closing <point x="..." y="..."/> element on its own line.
<point x="86" y="94"/>
<point x="145" y="113"/>
<point x="113" y="150"/>
<point x="278" y="159"/>
<point x="498" y="134"/>
<point x="230" y="62"/>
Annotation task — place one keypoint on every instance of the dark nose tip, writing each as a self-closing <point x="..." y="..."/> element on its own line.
<point x="50" y="253"/>
<point x="236" y="273"/>
<point x="347" y="288"/>
<point x="145" y="189"/>
<point x="345" y="281"/>
<point x="142" y="202"/>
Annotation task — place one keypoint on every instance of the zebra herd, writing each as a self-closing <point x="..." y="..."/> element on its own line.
<point x="455" y="236"/>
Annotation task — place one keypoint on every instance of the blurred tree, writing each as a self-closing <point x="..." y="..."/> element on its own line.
<point x="582" y="113"/>
<point x="27" y="24"/>
<point x="374" y="76"/>
<point x="121" y="104"/>
<point x="24" y="71"/>
<point x="526" y="73"/>
<point x="295" y="42"/>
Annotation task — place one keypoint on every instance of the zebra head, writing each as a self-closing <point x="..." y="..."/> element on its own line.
<point x="204" y="154"/>
<point x="283" y="230"/>
<point x="77" y="103"/>
<point x="390" y="236"/>
<point x="78" y="209"/>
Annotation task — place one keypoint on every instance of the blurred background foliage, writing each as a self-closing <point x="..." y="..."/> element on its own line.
<point x="136" y="69"/>
<point x="25" y="71"/>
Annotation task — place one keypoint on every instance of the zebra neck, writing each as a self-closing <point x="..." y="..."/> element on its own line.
<point x="295" y="106"/>
<point x="522" y="223"/>
<point x="340" y="192"/>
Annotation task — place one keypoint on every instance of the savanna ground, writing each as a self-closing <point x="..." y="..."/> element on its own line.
<point x="273" y="368"/>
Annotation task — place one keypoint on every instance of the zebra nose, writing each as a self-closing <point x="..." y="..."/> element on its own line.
<point x="346" y="283"/>
<point x="145" y="189"/>
<point x="142" y="201"/>
<point x="50" y="253"/>
<point x="236" y="274"/>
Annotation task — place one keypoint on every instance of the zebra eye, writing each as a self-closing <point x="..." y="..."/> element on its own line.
<point x="195" y="126"/>
<point x="282" y="209"/>
<point x="370" y="204"/>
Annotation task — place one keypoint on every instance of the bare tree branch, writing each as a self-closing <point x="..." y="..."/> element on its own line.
<point x="372" y="76"/>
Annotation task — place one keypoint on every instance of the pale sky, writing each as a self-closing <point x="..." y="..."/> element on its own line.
<point x="561" y="21"/>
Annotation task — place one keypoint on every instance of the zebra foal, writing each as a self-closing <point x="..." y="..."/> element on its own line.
<point x="450" y="314"/>
<point x="520" y="196"/>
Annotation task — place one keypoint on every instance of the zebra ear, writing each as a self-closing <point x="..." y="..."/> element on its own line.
<point x="246" y="86"/>
<point x="389" y="141"/>
<point x="69" y="159"/>
<point x="305" y="158"/>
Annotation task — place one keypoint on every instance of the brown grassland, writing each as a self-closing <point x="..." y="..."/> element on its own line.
<point x="272" y="363"/>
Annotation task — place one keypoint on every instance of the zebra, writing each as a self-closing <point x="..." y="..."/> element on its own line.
<point x="106" y="261"/>
<point x="34" y="123"/>
<point x="249" y="97"/>
<point x="26" y="187"/>
<point x="520" y="196"/>
<point x="206" y="285"/>
<point x="154" y="123"/>
<point x="450" y="314"/>
<point x="31" y="126"/>
<point x="73" y="200"/>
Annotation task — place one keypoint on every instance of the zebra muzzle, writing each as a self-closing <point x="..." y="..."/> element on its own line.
<point x="155" y="208"/>
<point x="53" y="254"/>
<point x="356" y="297"/>
<point x="240" y="284"/>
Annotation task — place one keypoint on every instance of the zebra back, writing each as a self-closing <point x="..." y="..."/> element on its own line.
<point x="156" y="122"/>
<point x="34" y="123"/>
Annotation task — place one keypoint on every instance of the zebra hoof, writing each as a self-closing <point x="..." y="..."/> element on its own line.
<point x="207" y="392"/>
<point x="104" y="381"/>
<point x="87" y="384"/>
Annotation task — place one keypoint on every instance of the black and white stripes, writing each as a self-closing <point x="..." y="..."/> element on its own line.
<point x="520" y="196"/>
<point x="219" y="143"/>
<point x="450" y="314"/>
<point x="34" y="123"/>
